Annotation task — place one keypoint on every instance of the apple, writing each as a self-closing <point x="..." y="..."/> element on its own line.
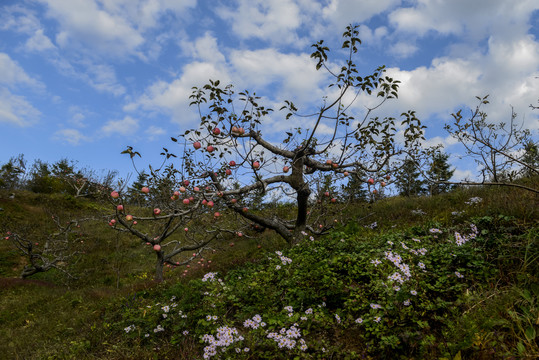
<point x="135" y="223"/>
<point x="231" y="244"/>
<point x="194" y="254"/>
<point x="233" y="201"/>
<point x="210" y="203"/>
<point x="176" y="194"/>
<point x="145" y="189"/>
<point x="157" y="211"/>
<point x="370" y="181"/>
<point x="191" y="198"/>
<point x="235" y="130"/>
<point x="259" y="246"/>
<point x="240" y="234"/>
<point x="220" y="194"/>
<point x="216" y="214"/>
<point x="204" y="202"/>
<point x="128" y="217"/>
<point x="241" y="131"/>
<point x="346" y="173"/>
<point x="285" y="169"/>
<point x="256" y="164"/>
<point x="186" y="201"/>
<point x="157" y="247"/>
<point x="321" y="226"/>
<point x="388" y="177"/>
<point x="186" y="229"/>
<point x="186" y="182"/>
<point x="228" y="172"/>
<point x="333" y="200"/>
<point x="196" y="189"/>
<point x="335" y="165"/>
<point x="120" y="208"/>
<point x="232" y="163"/>
<point x="210" y="148"/>
<point x="383" y="184"/>
<point x="375" y="191"/>
<point x="182" y="189"/>
<point x="329" y="162"/>
<point x="326" y="193"/>
<point x="114" y="195"/>
<point x="113" y="221"/>
<point x="216" y="131"/>
<point x="245" y="209"/>
<point x="197" y="145"/>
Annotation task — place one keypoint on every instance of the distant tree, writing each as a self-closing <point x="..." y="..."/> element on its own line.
<point x="12" y="173"/>
<point x="354" y="189"/>
<point x="495" y="147"/>
<point x="439" y="171"/>
<point x="42" y="180"/>
<point x="134" y="195"/>
<point x="409" y="181"/>
<point x="530" y="158"/>
<point x="58" y="250"/>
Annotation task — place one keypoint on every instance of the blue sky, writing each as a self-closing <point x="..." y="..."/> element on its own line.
<point x="83" y="79"/>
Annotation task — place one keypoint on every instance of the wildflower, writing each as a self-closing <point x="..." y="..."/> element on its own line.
<point x="214" y="317"/>
<point x="185" y="332"/>
<point x="129" y="328"/>
<point x="359" y="320"/>
<point x="376" y="306"/>
<point x="413" y="292"/>
<point x="421" y="265"/>
<point x="416" y="240"/>
<point x="289" y="308"/>
<point x="377" y="319"/>
<point x="396" y="288"/>
<point x="309" y="311"/>
<point x="303" y="345"/>
<point x="459" y="275"/>
<point x="303" y="233"/>
<point x="390" y="243"/>
<point x="246" y="349"/>
<point x="376" y="262"/>
<point x="158" y="329"/>
<point x="338" y="318"/>
<point x="435" y="231"/>
<point x="165" y="316"/>
<point x="209" y="277"/>
<point x="304" y="318"/>
<point x="278" y="267"/>
<point x="407" y="302"/>
<point x="418" y="212"/>
<point x="146" y="335"/>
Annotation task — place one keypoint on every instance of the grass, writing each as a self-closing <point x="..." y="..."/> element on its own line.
<point x="491" y="313"/>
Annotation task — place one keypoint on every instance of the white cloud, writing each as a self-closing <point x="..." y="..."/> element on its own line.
<point x="204" y="49"/>
<point x="154" y="132"/>
<point x="16" y="110"/>
<point x="12" y="74"/>
<point x="85" y="26"/>
<point x="352" y="11"/>
<point x="272" y="20"/>
<point x="403" y="49"/>
<point x="39" y="42"/>
<point x="173" y="98"/>
<point x="70" y="136"/>
<point x="126" y="126"/>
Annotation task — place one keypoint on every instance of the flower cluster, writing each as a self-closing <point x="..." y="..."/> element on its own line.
<point x="396" y="259"/>
<point x="209" y="277"/>
<point x="463" y="239"/>
<point x="435" y="231"/>
<point x="254" y="323"/>
<point x="285" y="338"/>
<point x="474" y="200"/>
<point x="418" y="212"/>
<point x="226" y="336"/>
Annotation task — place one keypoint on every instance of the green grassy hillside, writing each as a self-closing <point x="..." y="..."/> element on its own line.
<point x="415" y="278"/>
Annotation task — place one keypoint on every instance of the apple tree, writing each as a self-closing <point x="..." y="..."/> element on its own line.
<point x="230" y="149"/>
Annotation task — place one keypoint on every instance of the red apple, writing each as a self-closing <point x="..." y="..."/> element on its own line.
<point x="231" y="244"/>
<point x="326" y="193"/>
<point x="197" y="145"/>
<point x="370" y="181"/>
<point x="182" y="189"/>
<point x="204" y="202"/>
<point x="157" y="211"/>
<point x="245" y="209"/>
<point x="120" y="208"/>
<point x="232" y="163"/>
<point x="186" y="229"/>
<point x="210" y="148"/>
<point x="113" y="221"/>
<point x="128" y="217"/>
<point x="335" y="165"/>
<point x="186" y="201"/>
<point x="256" y="164"/>
<point x="333" y="200"/>
<point x="383" y="183"/>
<point x="388" y="177"/>
<point x="285" y="169"/>
<point x="145" y="189"/>
<point x="259" y="246"/>
<point x="210" y="203"/>
<point x="216" y="131"/>
<point x="240" y="234"/>
<point x="235" y="130"/>
<point x="233" y="201"/>
<point x="375" y="191"/>
<point x="176" y="194"/>
<point x="196" y="189"/>
<point x="216" y="214"/>
<point x="191" y="198"/>
<point x="157" y="247"/>
<point x="241" y="131"/>
<point x="186" y="182"/>
<point x="346" y="173"/>
<point x="114" y="195"/>
<point x="228" y="172"/>
<point x="329" y="162"/>
<point x="135" y="223"/>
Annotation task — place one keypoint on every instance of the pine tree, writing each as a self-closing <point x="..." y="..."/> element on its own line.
<point x="439" y="170"/>
<point x="409" y="181"/>
<point x="530" y="158"/>
<point x="355" y="189"/>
